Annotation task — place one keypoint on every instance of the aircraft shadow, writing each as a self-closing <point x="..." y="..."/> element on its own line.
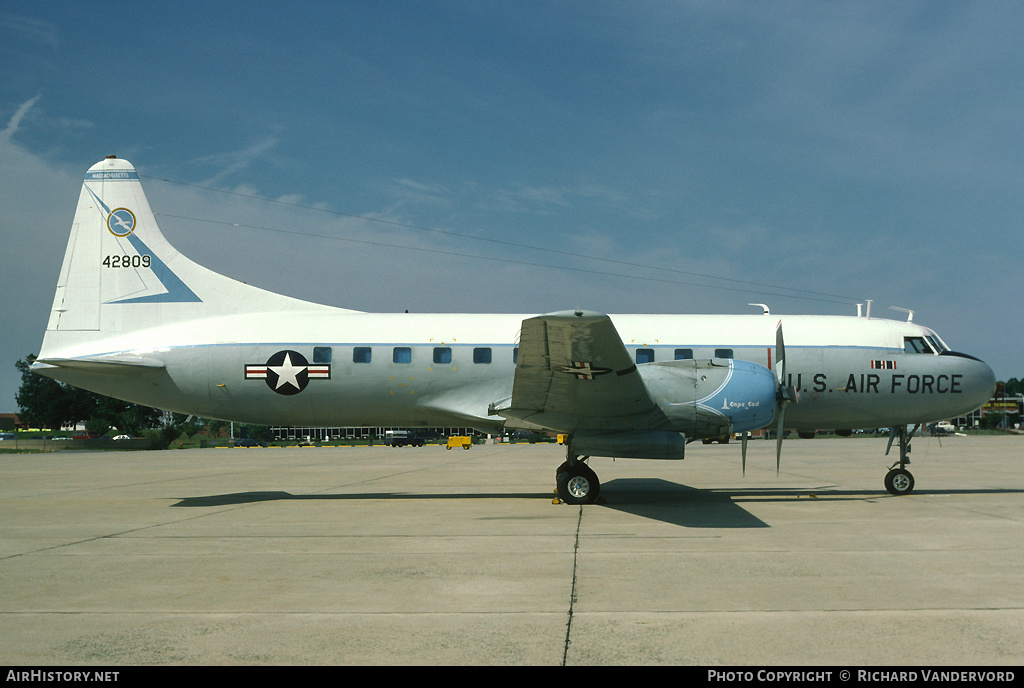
<point x="659" y="500"/>
<point x="681" y="505"/>
<point x="690" y="507"/>
<point x="238" y="498"/>
<point x="656" y="499"/>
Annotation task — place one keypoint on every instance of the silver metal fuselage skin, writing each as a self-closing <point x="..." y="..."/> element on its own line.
<point x="832" y="361"/>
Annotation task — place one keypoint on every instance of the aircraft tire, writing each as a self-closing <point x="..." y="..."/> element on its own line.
<point x="578" y="485"/>
<point x="899" y="481"/>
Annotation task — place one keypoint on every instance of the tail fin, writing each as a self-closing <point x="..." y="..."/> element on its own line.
<point x="120" y="274"/>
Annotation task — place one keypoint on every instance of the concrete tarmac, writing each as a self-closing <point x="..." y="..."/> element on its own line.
<point x="426" y="556"/>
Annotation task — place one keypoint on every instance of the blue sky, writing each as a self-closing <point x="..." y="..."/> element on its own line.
<point x="530" y="157"/>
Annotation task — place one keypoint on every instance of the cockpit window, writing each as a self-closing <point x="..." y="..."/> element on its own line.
<point x="916" y="345"/>
<point x="937" y="343"/>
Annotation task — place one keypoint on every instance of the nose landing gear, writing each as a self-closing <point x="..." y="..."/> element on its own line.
<point x="899" y="481"/>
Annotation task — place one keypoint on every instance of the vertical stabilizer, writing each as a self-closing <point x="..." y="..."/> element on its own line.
<point x="120" y="274"/>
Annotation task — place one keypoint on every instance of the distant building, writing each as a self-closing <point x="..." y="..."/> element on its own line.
<point x="9" y="422"/>
<point x="328" y="434"/>
<point x="1012" y="408"/>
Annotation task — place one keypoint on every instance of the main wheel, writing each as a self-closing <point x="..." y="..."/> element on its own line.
<point x="562" y="469"/>
<point x="899" y="481"/>
<point x="578" y="485"/>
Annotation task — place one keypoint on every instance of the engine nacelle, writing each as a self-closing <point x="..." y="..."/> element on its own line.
<point x="633" y="444"/>
<point x="714" y="397"/>
<point x="695" y="399"/>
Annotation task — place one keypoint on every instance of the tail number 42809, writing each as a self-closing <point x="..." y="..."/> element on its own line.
<point x="127" y="261"/>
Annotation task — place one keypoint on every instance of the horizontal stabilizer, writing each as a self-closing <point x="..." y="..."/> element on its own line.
<point x="122" y="364"/>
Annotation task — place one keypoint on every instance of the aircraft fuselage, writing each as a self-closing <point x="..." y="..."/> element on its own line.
<point x="360" y="369"/>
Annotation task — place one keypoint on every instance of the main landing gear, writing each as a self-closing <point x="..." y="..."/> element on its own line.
<point x="577" y="482"/>
<point x="899" y="481"/>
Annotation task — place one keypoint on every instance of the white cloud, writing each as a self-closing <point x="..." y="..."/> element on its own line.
<point x="235" y="161"/>
<point x="15" y="120"/>
<point x="32" y="29"/>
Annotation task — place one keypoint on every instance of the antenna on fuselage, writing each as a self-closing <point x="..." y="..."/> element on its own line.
<point x="763" y="306"/>
<point x="910" y="313"/>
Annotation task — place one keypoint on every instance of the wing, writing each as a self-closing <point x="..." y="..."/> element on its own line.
<point x="574" y="373"/>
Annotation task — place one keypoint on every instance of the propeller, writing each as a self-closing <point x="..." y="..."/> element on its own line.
<point x="784" y="395"/>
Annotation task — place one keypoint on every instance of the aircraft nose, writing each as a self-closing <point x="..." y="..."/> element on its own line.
<point x="979" y="381"/>
<point x="987" y="380"/>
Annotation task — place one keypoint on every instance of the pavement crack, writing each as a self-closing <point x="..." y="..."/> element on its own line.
<point x="572" y="596"/>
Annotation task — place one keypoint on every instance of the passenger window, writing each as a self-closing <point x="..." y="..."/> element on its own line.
<point x="723" y="353"/>
<point x="321" y="354"/>
<point x="482" y="355"/>
<point x="684" y="354"/>
<point x="442" y="354"/>
<point x="402" y="354"/>
<point x="645" y="355"/>
<point x="361" y="354"/>
<point x="915" y="345"/>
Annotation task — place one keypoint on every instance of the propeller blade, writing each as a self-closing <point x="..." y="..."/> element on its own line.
<point x="892" y="435"/>
<point x="780" y="355"/>
<point x="783" y="394"/>
<point x="778" y="437"/>
<point x="743" y="451"/>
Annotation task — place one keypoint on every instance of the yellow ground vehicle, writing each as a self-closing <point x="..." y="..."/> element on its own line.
<point x="459" y="441"/>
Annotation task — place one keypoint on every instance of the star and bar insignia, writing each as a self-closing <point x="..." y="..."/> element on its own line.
<point x="287" y="372"/>
<point x="583" y="370"/>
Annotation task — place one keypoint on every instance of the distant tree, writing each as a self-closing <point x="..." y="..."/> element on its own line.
<point x="191" y="426"/>
<point x="992" y="421"/>
<point x="97" y="426"/>
<point x="256" y="432"/>
<point x="132" y="418"/>
<point x="42" y="402"/>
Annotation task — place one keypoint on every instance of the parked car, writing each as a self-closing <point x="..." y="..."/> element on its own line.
<point x="248" y="442"/>
<point x="941" y="428"/>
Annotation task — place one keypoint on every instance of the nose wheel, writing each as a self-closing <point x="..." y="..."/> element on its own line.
<point x="899" y="481"/>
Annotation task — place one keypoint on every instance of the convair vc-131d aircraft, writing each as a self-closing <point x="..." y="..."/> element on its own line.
<point x="134" y="319"/>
